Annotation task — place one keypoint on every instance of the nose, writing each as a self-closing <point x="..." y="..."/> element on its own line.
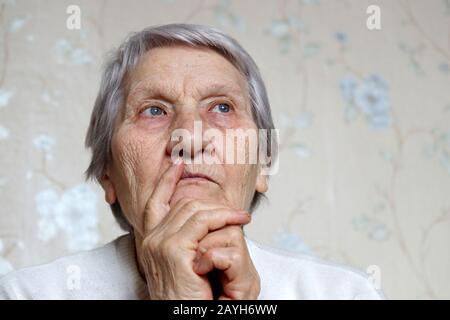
<point x="187" y="139"/>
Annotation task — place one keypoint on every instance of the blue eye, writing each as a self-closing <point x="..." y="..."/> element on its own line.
<point x="154" y="111"/>
<point x="222" y="108"/>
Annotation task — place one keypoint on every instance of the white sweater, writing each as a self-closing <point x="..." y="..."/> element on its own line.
<point x="110" y="272"/>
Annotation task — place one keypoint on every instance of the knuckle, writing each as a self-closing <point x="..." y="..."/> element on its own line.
<point x="188" y="205"/>
<point x="235" y="257"/>
<point x="210" y="254"/>
<point x="234" y="233"/>
<point x="183" y="202"/>
<point x="200" y="218"/>
<point x="169" y="245"/>
<point x="194" y="204"/>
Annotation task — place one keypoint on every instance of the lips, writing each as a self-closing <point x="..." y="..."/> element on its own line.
<point x="194" y="173"/>
<point x="196" y="176"/>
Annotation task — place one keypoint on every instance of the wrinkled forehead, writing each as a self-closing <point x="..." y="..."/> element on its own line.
<point x="188" y="71"/>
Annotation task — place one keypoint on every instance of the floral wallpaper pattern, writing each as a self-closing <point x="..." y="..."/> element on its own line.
<point x="364" y="119"/>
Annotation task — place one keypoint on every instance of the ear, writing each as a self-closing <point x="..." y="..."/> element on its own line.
<point x="108" y="186"/>
<point x="261" y="182"/>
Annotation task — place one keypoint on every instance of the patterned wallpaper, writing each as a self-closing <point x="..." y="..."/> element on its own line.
<point x="364" y="119"/>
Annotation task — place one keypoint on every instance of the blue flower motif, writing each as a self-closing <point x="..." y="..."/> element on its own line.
<point x="4" y="133"/>
<point x="374" y="229"/>
<point x="379" y="232"/>
<point x="290" y="242"/>
<point x="341" y="36"/>
<point x="5" y="96"/>
<point x="73" y="212"/>
<point x="444" y="67"/>
<point x="348" y="85"/>
<point x="65" y="52"/>
<point x="370" y="96"/>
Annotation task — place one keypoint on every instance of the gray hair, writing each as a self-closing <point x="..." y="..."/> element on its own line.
<point x="122" y="62"/>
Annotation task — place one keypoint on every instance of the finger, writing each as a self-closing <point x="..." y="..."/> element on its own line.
<point x="201" y="223"/>
<point x="229" y="236"/>
<point x="216" y="258"/>
<point x="187" y="209"/>
<point x="158" y="204"/>
<point x="238" y="280"/>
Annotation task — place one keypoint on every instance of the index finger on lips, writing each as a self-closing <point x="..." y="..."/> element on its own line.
<point x="159" y="200"/>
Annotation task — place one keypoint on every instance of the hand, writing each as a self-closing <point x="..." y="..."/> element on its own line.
<point x="226" y="250"/>
<point x="171" y="238"/>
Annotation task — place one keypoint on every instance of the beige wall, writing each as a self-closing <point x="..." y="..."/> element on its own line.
<point x="364" y="119"/>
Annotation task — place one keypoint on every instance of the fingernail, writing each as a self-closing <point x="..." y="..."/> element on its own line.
<point x="202" y="250"/>
<point x="244" y="212"/>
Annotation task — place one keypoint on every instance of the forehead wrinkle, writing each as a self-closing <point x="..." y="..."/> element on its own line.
<point x="218" y="89"/>
<point x="169" y="92"/>
<point x="153" y="88"/>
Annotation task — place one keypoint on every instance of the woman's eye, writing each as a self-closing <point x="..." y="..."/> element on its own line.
<point x="154" y="111"/>
<point x="222" y="108"/>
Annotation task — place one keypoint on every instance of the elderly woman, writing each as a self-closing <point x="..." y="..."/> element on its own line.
<point x="184" y="216"/>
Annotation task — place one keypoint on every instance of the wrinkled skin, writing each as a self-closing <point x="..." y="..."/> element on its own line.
<point x="185" y="228"/>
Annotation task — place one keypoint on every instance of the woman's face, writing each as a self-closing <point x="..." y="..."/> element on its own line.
<point x="173" y="90"/>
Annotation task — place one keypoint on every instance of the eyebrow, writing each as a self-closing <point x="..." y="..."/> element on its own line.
<point x="219" y="89"/>
<point x="165" y="92"/>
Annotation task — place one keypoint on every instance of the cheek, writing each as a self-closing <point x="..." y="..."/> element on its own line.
<point x="136" y="161"/>
<point x="136" y="154"/>
<point x="240" y="185"/>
